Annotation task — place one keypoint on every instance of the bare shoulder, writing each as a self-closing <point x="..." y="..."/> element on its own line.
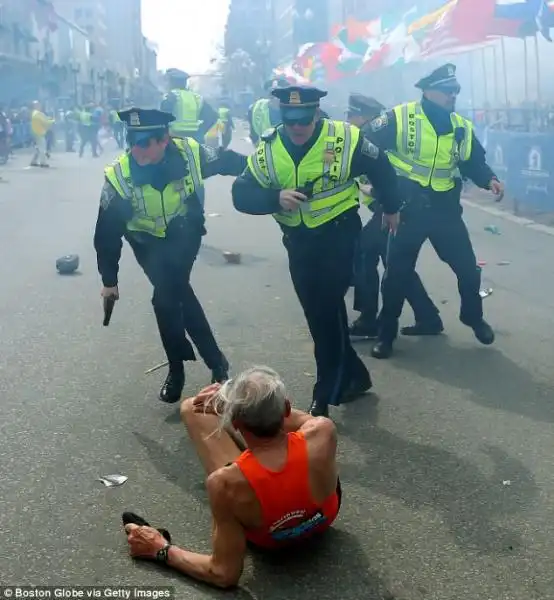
<point x="319" y="428"/>
<point x="224" y="483"/>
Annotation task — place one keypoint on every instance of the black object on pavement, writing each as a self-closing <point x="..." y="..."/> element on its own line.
<point x="67" y="265"/>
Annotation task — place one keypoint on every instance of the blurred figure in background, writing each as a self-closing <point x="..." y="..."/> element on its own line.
<point x="40" y="125"/>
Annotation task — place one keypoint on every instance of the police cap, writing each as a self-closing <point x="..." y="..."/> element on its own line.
<point x="364" y="106"/>
<point x="443" y="78"/>
<point x="145" y="120"/>
<point x="177" y="74"/>
<point x="297" y="101"/>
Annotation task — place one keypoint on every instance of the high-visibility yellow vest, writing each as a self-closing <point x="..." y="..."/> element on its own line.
<point x="86" y="118"/>
<point x="261" y="120"/>
<point x="221" y="123"/>
<point x="327" y="164"/>
<point x="421" y="155"/>
<point x="152" y="210"/>
<point x="187" y="112"/>
<point x="115" y="116"/>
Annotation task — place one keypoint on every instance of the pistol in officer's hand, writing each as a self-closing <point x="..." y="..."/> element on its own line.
<point x="291" y="199"/>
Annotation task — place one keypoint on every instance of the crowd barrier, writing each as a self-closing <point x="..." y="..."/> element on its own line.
<point x="525" y="162"/>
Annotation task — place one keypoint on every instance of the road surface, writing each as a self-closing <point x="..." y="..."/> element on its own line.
<point x="447" y="467"/>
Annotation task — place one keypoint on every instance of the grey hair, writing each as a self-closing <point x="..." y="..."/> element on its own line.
<point x="256" y="397"/>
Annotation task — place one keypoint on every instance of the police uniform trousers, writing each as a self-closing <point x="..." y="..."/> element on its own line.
<point x="438" y="218"/>
<point x="168" y="262"/>
<point x="320" y="264"/>
<point x="373" y="246"/>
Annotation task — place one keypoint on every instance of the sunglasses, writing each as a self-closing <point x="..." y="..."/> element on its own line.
<point x="304" y="121"/>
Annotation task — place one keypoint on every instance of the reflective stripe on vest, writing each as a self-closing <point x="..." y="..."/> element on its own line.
<point x="421" y="155"/>
<point x="327" y="163"/>
<point x="261" y="120"/>
<point x="152" y="210"/>
<point x="187" y="112"/>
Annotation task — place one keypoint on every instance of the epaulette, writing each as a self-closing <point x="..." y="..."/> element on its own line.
<point x="269" y="134"/>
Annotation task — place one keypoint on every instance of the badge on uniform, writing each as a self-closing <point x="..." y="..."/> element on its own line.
<point x="108" y="194"/>
<point x="211" y="154"/>
<point x="379" y="123"/>
<point x="369" y="149"/>
<point x="295" y="98"/>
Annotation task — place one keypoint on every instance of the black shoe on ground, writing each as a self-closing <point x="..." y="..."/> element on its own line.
<point x="484" y="333"/>
<point x="221" y="373"/>
<point x="173" y="386"/>
<point x="355" y="389"/>
<point x="382" y="350"/>
<point x="424" y="328"/>
<point x="364" y="329"/>
<point x="319" y="409"/>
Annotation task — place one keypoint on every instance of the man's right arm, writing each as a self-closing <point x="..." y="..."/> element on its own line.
<point x="110" y="227"/>
<point x="251" y="198"/>
<point x="382" y="131"/>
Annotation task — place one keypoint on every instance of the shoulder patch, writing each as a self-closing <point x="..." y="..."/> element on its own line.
<point x="379" y="123"/>
<point x="370" y="149"/>
<point x="212" y="154"/>
<point x="269" y="134"/>
<point x="108" y="195"/>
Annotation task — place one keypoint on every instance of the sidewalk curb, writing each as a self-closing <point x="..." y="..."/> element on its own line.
<point x="527" y="223"/>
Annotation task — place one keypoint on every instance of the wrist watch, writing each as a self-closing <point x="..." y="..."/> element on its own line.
<point x="162" y="554"/>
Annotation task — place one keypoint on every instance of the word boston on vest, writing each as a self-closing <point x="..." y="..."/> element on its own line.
<point x="98" y="592"/>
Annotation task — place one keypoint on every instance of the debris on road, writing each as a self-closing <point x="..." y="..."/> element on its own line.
<point x="67" y="265"/>
<point x="492" y="229"/>
<point x="214" y="215"/>
<point x="113" y="480"/>
<point x="232" y="258"/>
<point x="481" y="263"/>
<point x="157" y="367"/>
<point x="444" y="301"/>
<point x="503" y="263"/>
<point x="506" y="482"/>
<point x="485" y="293"/>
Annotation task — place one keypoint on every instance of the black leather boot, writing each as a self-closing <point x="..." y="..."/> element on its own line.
<point x="173" y="385"/>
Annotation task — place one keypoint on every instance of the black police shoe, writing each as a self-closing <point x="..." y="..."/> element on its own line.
<point x="319" y="409"/>
<point x="173" y="386"/>
<point x="382" y="350"/>
<point x="484" y="333"/>
<point x="434" y="327"/>
<point x="355" y="389"/>
<point x="221" y="373"/>
<point x="363" y="328"/>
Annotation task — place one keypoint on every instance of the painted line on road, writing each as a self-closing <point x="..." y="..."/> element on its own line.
<point x="527" y="223"/>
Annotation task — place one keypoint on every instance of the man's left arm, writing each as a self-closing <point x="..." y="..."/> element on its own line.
<point x="368" y="160"/>
<point x="476" y="167"/>
<point x="216" y="161"/>
<point x="208" y="116"/>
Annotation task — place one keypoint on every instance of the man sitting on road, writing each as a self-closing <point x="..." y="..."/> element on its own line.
<point x="282" y="490"/>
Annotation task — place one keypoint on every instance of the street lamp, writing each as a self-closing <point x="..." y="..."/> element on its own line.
<point x="76" y="69"/>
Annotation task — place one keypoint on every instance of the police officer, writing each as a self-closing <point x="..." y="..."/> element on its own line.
<point x="431" y="148"/>
<point x="151" y="198"/>
<point x="194" y="117"/>
<point x="373" y="247"/>
<point x="265" y="112"/>
<point x="303" y="174"/>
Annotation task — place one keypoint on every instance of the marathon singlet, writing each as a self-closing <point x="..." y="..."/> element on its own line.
<point x="288" y="511"/>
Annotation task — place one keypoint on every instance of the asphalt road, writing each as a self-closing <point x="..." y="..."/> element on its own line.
<point x="447" y="468"/>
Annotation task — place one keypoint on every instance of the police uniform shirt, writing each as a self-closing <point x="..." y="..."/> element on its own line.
<point x="382" y="130"/>
<point x="115" y="212"/>
<point x="251" y="198"/>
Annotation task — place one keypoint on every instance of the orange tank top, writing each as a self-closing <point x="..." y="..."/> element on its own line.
<point x="288" y="511"/>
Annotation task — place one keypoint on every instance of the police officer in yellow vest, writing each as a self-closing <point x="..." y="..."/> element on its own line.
<point x="303" y="173"/>
<point x="265" y="112"/>
<point x="88" y="131"/>
<point x="194" y="117"/>
<point x="118" y="128"/>
<point x="431" y="148"/>
<point x="151" y="198"/>
<point x="373" y="248"/>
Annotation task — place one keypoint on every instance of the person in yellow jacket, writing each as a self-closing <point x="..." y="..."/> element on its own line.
<point x="220" y="134"/>
<point x="432" y="148"/>
<point x="194" y="117"/>
<point x="303" y="173"/>
<point x="40" y="125"/>
<point x="372" y="249"/>
<point x="265" y="112"/>
<point x="151" y="198"/>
